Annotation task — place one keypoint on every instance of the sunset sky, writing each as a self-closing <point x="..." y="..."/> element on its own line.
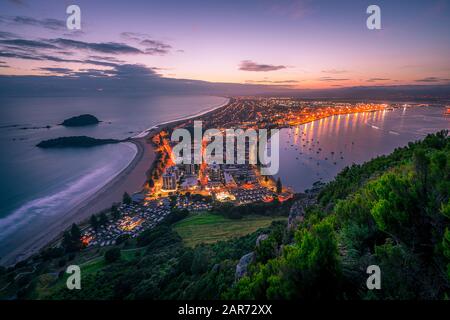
<point x="295" y="43"/>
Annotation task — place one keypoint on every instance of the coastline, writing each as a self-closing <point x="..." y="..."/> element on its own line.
<point x="131" y="179"/>
<point x="147" y="132"/>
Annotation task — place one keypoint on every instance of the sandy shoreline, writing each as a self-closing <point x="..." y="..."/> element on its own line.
<point x="131" y="180"/>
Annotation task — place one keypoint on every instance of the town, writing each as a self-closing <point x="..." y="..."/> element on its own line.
<point x="202" y="186"/>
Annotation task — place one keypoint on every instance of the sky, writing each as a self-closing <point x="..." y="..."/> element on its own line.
<point x="300" y="44"/>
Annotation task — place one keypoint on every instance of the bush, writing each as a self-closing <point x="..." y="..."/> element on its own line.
<point x="62" y="262"/>
<point x="122" y="238"/>
<point x="112" y="255"/>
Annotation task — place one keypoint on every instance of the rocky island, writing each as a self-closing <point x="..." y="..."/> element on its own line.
<point x="80" y="121"/>
<point x="77" y="141"/>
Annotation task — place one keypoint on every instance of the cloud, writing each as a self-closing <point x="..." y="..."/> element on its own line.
<point x="7" y="35"/>
<point x="248" y="65"/>
<point x="134" y="71"/>
<point x="63" y="50"/>
<point x="58" y="59"/>
<point x="156" y="47"/>
<point x="18" y="2"/>
<point x="52" y="24"/>
<point x="330" y="79"/>
<point x="65" y="71"/>
<point x="139" y="80"/>
<point x="28" y="43"/>
<point x="100" y="63"/>
<point x="3" y="64"/>
<point x="103" y="47"/>
<point x="377" y="79"/>
<point x="431" y="79"/>
<point x="110" y="59"/>
<point x="74" y="33"/>
<point x="134" y="36"/>
<point x="274" y="82"/>
<point x="294" y="9"/>
<point x="152" y="46"/>
<point x="334" y="71"/>
<point x="25" y="49"/>
<point x="18" y="55"/>
<point x="93" y="73"/>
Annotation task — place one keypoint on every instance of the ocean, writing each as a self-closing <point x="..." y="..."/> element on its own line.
<point x="39" y="185"/>
<point x="319" y="150"/>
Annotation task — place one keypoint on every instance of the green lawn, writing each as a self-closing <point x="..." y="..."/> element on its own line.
<point x="209" y="228"/>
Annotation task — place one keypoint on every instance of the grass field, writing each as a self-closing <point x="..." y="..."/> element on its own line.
<point x="209" y="228"/>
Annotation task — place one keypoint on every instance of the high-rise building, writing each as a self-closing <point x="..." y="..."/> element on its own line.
<point x="189" y="169"/>
<point x="215" y="173"/>
<point x="174" y="170"/>
<point x="169" y="181"/>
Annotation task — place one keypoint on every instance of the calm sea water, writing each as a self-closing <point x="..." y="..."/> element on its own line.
<point x="41" y="184"/>
<point x="317" y="151"/>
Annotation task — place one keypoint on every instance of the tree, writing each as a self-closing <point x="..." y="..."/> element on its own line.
<point x="94" y="222"/>
<point x="200" y="261"/>
<point x="112" y="255"/>
<point x="115" y="213"/>
<point x="72" y="239"/>
<point x="103" y="219"/>
<point x="421" y="163"/>
<point x="279" y="185"/>
<point x="75" y="232"/>
<point x="126" y="199"/>
<point x="67" y="241"/>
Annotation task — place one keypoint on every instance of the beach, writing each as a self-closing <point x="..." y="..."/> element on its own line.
<point x="130" y="180"/>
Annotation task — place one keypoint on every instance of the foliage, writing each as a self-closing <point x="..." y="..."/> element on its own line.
<point x="72" y="239"/>
<point x="112" y="255"/>
<point x="392" y="211"/>
<point x="126" y="198"/>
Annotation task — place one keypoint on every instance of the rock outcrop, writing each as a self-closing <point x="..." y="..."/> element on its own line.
<point x="242" y="266"/>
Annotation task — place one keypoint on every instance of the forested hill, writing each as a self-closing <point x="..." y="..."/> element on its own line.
<point x="392" y="212"/>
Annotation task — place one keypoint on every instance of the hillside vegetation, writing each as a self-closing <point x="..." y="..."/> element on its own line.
<point x="392" y="212"/>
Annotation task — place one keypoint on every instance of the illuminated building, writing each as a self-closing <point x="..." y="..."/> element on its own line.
<point x="169" y="181"/>
<point x="189" y="168"/>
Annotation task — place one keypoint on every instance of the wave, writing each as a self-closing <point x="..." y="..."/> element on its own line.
<point x="71" y="195"/>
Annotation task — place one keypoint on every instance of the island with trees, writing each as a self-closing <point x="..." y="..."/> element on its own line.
<point x="75" y="141"/>
<point x="80" y="121"/>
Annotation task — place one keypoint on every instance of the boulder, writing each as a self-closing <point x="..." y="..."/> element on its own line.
<point x="242" y="266"/>
<point x="260" y="238"/>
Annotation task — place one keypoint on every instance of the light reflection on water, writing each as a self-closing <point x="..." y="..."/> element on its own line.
<point x="317" y="151"/>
